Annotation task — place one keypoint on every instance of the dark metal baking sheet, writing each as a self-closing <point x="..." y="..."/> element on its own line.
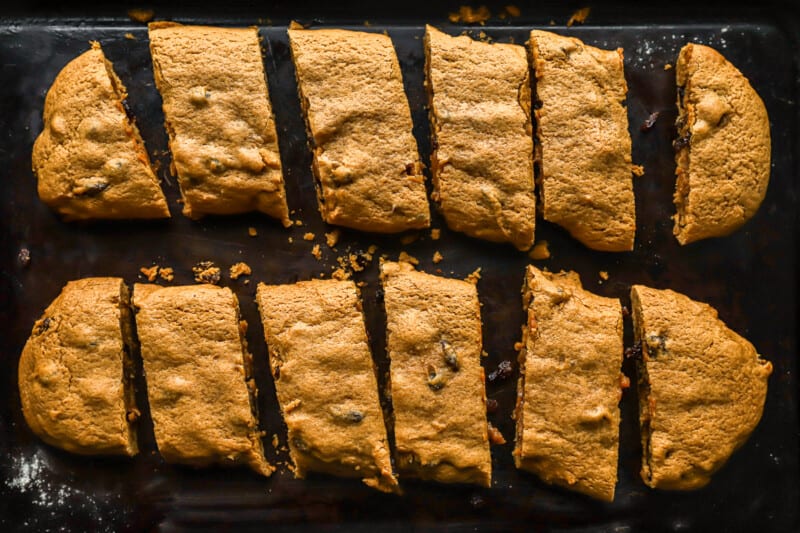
<point x="749" y="277"/>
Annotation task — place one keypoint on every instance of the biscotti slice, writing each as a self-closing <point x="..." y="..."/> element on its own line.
<point x="723" y="147"/>
<point x="90" y="160"/>
<point x="199" y="378"/>
<point x="325" y="380"/>
<point x="702" y="388"/>
<point x="570" y="385"/>
<point x="219" y="119"/>
<point x="437" y="382"/>
<point x="75" y="371"/>
<point x="482" y="158"/>
<point x="584" y="148"/>
<point x="368" y="172"/>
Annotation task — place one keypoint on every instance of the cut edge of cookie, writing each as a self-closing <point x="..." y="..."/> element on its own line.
<point x="643" y="387"/>
<point x="132" y="413"/>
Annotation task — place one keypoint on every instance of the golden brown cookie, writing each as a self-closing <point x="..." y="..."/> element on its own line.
<point x="723" y="146"/>
<point x="570" y="384"/>
<point x="90" y="160"/>
<point x="199" y="376"/>
<point x="584" y="148"/>
<point x="482" y="159"/>
<point x="325" y="380"/>
<point x="702" y="388"/>
<point x="368" y="172"/>
<point x="219" y="119"/>
<point x="75" y="371"/>
<point x="437" y="382"/>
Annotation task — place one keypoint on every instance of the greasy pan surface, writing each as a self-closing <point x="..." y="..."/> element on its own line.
<point x="749" y="277"/>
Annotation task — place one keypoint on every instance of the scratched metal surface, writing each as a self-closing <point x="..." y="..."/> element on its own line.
<point x="749" y="277"/>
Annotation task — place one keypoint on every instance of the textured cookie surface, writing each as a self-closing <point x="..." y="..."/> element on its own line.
<point x="202" y="398"/>
<point x="325" y="380"/>
<point x="74" y="370"/>
<point x="365" y="157"/>
<point x="89" y="160"/>
<point x="702" y="388"/>
<point x="219" y="119"/>
<point x="723" y="157"/>
<point x="482" y="162"/>
<point x="570" y="385"/>
<point x="437" y="381"/>
<point x="584" y="145"/>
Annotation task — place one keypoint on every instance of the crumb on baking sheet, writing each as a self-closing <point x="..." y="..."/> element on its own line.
<point x="275" y="441"/>
<point x="341" y="274"/>
<point x="579" y="17"/>
<point x="24" y="257"/>
<point x="332" y="238"/>
<point x="316" y="252"/>
<point x="638" y="170"/>
<point x="650" y="121"/>
<point x="668" y="66"/>
<point x="408" y="239"/>
<point x="603" y="275"/>
<point x="518" y="346"/>
<point x="240" y="269"/>
<point x="406" y="258"/>
<point x="435" y="234"/>
<point x="141" y="15"/>
<point x="509" y="11"/>
<point x="206" y="272"/>
<point x="298" y="222"/>
<point x="474" y="276"/>
<point x="130" y="36"/>
<point x="290" y="239"/>
<point x="150" y="273"/>
<point x="437" y="257"/>
<point x="470" y="15"/>
<point x="540" y="251"/>
<point x="253" y="232"/>
<point x="166" y="273"/>
<point x="309" y="236"/>
<point x="495" y="437"/>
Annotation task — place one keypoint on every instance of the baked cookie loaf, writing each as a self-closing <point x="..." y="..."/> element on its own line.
<point x="482" y="159"/>
<point x="570" y="384"/>
<point x="702" y="388"/>
<point x="90" y="160"/>
<point x="75" y="371"/>
<point x="219" y="119"/>
<point x="368" y="172"/>
<point x="437" y="381"/>
<point x="325" y="380"/>
<point x="202" y="396"/>
<point x="584" y="148"/>
<point x="723" y="147"/>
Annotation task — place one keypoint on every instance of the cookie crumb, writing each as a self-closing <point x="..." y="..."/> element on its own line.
<point x="141" y="15"/>
<point x="240" y="269"/>
<point x="474" y="277"/>
<point x="275" y="441"/>
<point x="668" y="66"/>
<point x="518" y="346"/>
<point x="603" y="275"/>
<point x="166" y="273"/>
<point x="252" y="231"/>
<point x="298" y="222"/>
<point x="469" y="15"/>
<point x="540" y="251"/>
<point x="340" y="274"/>
<point x="206" y="272"/>
<point x="150" y="273"/>
<point x="291" y="240"/>
<point x="316" y="252"/>
<point x="435" y="234"/>
<point x="579" y="17"/>
<point x="638" y="170"/>
<point x="24" y="257"/>
<point x="130" y="36"/>
<point x="406" y="258"/>
<point x="437" y="257"/>
<point x="332" y="238"/>
<point x="495" y="437"/>
<point x="309" y="236"/>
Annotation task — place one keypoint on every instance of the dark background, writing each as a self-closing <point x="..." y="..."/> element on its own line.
<point x="749" y="277"/>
